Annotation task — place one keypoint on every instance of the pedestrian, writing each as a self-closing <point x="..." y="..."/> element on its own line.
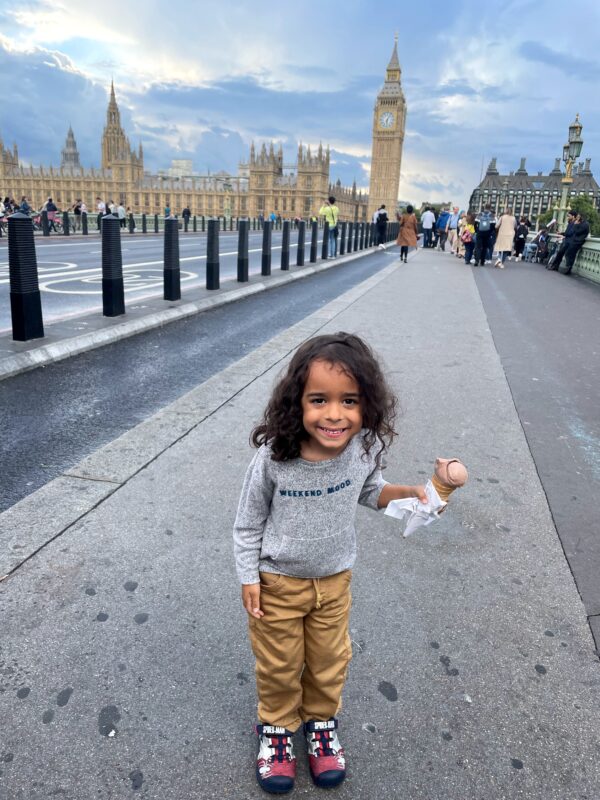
<point x="380" y="218"/>
<point x="452" y="229"/>
<point x="24" y="207"/>
<point x="76" y="209"/>
<point x="273" y="218"/>
<point x="441" y="226"/>
<point x="330" y="213"/>
<point x="468" y="237"/>
<point x="101" y="210"/>
<point x="427" y="222"/>
<point x="186" y="214"/>
<point x="3" y="215"/>
<point x="484" y="223"/>
<point x="521" y="233"/>
<point x="320" y="445"/>
<point x="581" y="230"/>
<point x="507" y="226"/>
<point x="122" y="215"/>
<point x="555" y="260"/>
<point x="408" y="233"/>
<point x="460" y="247"/>
<point x="51" y="210"/>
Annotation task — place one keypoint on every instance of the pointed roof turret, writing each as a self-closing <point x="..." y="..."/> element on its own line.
<point x="394" y="60"/>
<point x="69" y="157"/>
<point x="492" y="168"/>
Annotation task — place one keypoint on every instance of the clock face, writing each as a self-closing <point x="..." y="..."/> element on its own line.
<point x="386" y="120"/>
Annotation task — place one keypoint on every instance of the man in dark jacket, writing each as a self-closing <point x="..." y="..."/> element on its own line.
<point x="581" y="230"/>
<point x="566" y="241"/>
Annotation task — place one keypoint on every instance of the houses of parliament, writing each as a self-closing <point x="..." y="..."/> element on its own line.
<point x="263" y="184"/>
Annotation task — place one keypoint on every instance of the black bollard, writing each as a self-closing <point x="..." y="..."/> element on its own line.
<point x="171" y="271"/>
<point x="361" y="244"/>
<point x="253" y="223"/>
<point x="131" y="224"/>
<point x="156" y="223"/>
<point x="84" y="224"/>
<point x="314" y="236"/>
<point x="25" y="300"/>
<point x="325" y="246"/>
<point x="285" y="246"/>
<point x="212" y="254"/>
<point x="66" y="229"/>
<point x="350" y="235"/>
<point x="186" y="222"/>
<point x="144" y="224"/>
<point x="265" y="264"/>
<point x="45" y="223"/>
<point x="355" y="245"/>
<point x="301" y="236"/>
<point x="203" y="223"/>
<point x="230" y="223"/>
<point x="195" y="224"/>
<point x="242" y="259"/>
<point x="113" y="294"/>
<point x="342" y="238"/>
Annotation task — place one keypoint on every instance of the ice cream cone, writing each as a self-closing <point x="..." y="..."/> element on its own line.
<point x="449" y="474"/>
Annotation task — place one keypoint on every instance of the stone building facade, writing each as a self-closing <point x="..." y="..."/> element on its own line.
<point x="263" y="183"/>
<point x="532" y="195"/>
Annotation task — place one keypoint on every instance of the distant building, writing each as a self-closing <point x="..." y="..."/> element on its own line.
<point x="262" y="185"/>
<point x="532" y="195"/>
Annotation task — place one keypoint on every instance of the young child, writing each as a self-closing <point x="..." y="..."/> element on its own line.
<point x="327" y="424"/>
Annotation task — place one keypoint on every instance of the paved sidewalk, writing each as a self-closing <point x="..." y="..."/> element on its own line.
<point x="124" y="664"/>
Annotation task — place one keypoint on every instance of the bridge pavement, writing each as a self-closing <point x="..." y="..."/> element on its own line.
<point x="124" y="663"/>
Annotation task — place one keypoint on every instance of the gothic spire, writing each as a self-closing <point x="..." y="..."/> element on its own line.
<point x="69" y="157"/>
<point x="394" y="61"/>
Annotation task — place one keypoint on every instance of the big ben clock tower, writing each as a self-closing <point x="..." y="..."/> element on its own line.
<point x="389" y="119"/>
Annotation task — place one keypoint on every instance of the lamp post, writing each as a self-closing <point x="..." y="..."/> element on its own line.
<point x="571" y="152"/>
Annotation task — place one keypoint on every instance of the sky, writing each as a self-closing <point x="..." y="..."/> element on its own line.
<point x="202" y="80"/>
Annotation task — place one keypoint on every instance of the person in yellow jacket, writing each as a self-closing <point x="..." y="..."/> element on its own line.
<point x="330" y="212"/>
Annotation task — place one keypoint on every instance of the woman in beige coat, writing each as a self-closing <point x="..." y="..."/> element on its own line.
<point x="507" y="225"/>
<point x="408" y="233"/>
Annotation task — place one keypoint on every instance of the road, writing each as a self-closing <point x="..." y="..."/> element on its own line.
<point x="59" y="414"/>
<point x="70" y="273"/>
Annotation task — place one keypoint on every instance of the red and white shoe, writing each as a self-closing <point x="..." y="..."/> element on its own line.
<point x="276" y="762"/>
<point x="325" y="753"/>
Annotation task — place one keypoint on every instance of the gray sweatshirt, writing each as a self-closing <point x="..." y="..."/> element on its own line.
<point x="297" y="517"/>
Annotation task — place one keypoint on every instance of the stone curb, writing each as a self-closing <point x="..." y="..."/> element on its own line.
<point x="42" y="516"/>
<point x="56" y="351"/>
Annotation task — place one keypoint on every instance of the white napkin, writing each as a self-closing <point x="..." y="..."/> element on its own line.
<point x="416" y="513"/>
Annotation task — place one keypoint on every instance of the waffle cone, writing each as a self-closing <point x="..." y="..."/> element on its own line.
<point x="442" y="489"/>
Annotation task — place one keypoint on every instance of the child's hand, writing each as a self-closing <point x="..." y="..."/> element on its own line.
<point x="251" y="599"/>
<point x="419" y="491"/>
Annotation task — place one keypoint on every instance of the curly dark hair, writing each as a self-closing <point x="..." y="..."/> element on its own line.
<point x="281" y="426"/>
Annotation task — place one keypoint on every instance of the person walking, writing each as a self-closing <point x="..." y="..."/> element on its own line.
<point x="122" y="215"/>
<point x="380" y="218"/>
<point x="330" y="213"/>
<point x="24" y="207"/>
<point x="51" y="210"/>
<point x="460" y="247"/>
<point x="468" y="238"/>
<point x="484" y="222"/>
<point x="408" y="233"/>
<point x="443" y="221"/>
<point x="521" y="233"/>
<point x="320" y="443"/>
<point x="427" y="222"/>
<point x="507" y="225"/>
<point x="452" y="229"/>
<point x="186" y="214"/>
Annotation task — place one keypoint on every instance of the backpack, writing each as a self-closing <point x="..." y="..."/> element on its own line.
<point x="522" y="232"/>
<point x="382" y="218"/>
<point x="466" y="236"/>
<point x="485" y="223"/>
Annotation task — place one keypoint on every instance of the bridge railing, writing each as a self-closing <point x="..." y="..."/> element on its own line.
<point x="587" y="263"/>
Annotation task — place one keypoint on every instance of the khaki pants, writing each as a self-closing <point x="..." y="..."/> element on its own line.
<point x="302" y="647"/>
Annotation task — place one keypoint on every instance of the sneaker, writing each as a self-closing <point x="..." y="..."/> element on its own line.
<point x="488" y="262"/>
<point x="325" y="754"/>
<point x="381" y="247"/>
<point x="498" y="263"/>
<point x="276" y="762"/>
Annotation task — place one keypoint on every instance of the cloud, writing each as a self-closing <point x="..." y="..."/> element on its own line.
<point x="570" y="64"/>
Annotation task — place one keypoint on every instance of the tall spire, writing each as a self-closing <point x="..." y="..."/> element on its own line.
<point x="69" y="157"/>
<point x="394" y="61"/>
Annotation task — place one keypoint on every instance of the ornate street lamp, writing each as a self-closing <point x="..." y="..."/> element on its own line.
<point x="571" y="152"/>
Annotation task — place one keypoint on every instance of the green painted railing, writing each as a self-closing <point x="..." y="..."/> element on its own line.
<point x="587" y="263"/>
